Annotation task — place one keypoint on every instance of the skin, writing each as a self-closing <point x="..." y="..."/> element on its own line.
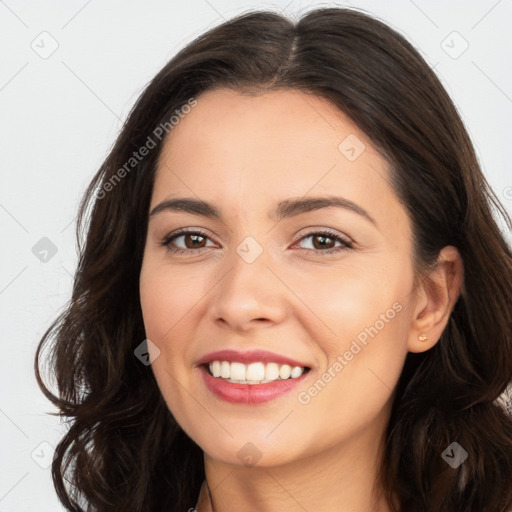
<point x="244" y="154"/>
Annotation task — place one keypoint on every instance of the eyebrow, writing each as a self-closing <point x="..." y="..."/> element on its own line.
<point x="285" y="209"/>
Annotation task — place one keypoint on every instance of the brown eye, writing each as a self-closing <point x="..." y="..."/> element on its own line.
<point x="324" y="242"/>
<point x="195" y="240"/>
<point x="191" y="240"/>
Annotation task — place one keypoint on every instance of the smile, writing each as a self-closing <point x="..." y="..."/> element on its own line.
<point x="254" y="373"/>
<point x="250" y="377"/>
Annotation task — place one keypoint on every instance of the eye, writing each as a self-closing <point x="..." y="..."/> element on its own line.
<point x="323" y="242"/>
<point x="194" y="240"/>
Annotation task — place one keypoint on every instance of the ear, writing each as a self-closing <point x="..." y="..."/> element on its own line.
<point x="435" y="300"/>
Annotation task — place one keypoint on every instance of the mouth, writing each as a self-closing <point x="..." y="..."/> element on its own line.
<point x="254" y="373"/>
<point x="250" y="377"/>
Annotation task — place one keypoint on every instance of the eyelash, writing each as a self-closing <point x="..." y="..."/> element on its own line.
<point x="326" y="233"/>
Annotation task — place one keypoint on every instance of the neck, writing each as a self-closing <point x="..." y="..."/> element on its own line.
<point x="343" y="477"/>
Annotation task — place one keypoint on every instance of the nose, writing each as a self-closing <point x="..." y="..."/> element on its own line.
<point x="248" y="295"/>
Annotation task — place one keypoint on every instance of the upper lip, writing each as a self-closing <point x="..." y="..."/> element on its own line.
<point x="247" y="357"/>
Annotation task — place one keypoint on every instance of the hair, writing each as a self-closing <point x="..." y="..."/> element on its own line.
<point x="123" y="449"/>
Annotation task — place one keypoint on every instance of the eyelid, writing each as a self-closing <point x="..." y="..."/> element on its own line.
<point x="317" y="230"/>
<point x="346" y="242"/>
<point x="167" y="239"/>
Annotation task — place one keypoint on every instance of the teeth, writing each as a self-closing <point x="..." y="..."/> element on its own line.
<point x="285" y="371"/>
<point x="254" y="373"/>
<point x="215" y="368"/>
<point x="272" y="371"/>
<point x="296" y="372"/>
<point x="225" y="371"/>
<point x="237" y="371"/>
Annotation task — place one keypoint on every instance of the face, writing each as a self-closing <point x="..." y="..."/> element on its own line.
<point x="271" y="279"/>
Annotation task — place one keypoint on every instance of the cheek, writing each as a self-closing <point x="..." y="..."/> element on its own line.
<point x="368" y="316"/>
<point x="349" y="298"/>
<point x="358" y="381"/>
<point x="166" y="297"/>
<point x="164" y="301"/>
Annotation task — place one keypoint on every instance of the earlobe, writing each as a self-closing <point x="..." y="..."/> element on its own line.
<point x="437" y="294"/>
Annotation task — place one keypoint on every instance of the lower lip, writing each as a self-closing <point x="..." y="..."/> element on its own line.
<point x="249" y="393"/>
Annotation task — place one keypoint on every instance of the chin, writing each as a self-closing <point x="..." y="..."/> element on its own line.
<point x="252" y="448"/>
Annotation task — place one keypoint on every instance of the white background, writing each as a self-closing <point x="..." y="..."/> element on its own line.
<point x="61" y="114"/>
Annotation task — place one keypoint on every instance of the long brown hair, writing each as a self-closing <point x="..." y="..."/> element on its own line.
<point x="124" y="450"/>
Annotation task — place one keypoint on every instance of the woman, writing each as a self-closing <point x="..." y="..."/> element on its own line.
<point x="293" y="293"/>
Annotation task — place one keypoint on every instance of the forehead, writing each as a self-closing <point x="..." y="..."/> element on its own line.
<point x="288" y="124"/>
<point x="252" y="149"/>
